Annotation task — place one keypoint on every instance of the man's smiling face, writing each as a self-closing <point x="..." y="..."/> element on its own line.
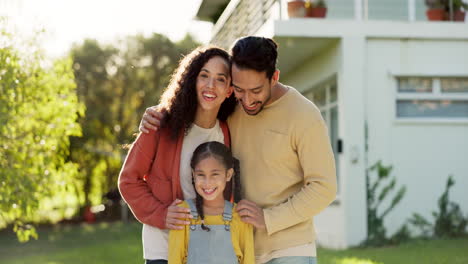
<point x="252" y="89"/>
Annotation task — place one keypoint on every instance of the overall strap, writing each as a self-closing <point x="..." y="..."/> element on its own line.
<point x="193" y="208"/>
<point x="227" y="215"/>
<point x="193" y="212"/>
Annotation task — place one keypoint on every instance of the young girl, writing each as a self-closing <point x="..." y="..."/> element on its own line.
<point x="216" y="233"/>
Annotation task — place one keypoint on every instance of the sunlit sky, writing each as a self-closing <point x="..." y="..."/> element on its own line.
<point x="68" y="21"/>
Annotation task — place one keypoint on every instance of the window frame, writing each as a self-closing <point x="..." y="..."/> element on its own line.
<point x="435" y="95"/>
<point x="327" y="109"/>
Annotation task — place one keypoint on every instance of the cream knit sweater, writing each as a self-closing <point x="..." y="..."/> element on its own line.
<point x="287" y="168"/>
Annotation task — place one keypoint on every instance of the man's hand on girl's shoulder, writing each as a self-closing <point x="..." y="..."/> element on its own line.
<point x="177" y="215"/>
<point x="251" y="213"/>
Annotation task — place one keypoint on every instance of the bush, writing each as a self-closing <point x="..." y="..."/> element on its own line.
<point x="448" y="220"/>
<point x="38" y="112"/>
<point x="376" y="232"/>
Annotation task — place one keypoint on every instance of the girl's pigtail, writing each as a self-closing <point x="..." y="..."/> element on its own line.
<point x="199" y="205"/>
<point x="236" y="186"/>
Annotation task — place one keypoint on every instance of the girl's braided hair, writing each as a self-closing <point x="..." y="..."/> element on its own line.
<point x="223" y="154"/>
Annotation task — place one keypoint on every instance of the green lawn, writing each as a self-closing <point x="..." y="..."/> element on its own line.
<point x="448" y="251"/>
<point x="121" y="243"/>
<point x="85" y="244"/>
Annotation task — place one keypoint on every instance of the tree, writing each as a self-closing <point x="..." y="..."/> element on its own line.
<point x="91" y="64"/>
<point x="48" y="168"/>
<point x="117" y="83"/>
<point x="38" y="113"/>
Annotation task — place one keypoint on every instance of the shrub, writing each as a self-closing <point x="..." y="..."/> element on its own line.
<point x="448" y="220"/>
<point x="376" y="195"/>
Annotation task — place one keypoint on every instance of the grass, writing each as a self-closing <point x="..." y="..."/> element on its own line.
<point x="121" y="243"/>
<point x="443" y="251"/>
<point x="89" y="244"/>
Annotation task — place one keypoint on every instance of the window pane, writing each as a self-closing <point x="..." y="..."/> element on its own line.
<point x="334" y="139"/>
<point x="454" y="85"/>
<point x="309" y="95"/>
<point x="414" y="85"/>
<point x="318" y="97"/>
<point x="388" y="10"/>
<point x="339" y="9"/>
<point x="334" y="128"/>
<point x="325" y="116"/>
<point x="432" y="108"/>
<point x="333" y="93"/>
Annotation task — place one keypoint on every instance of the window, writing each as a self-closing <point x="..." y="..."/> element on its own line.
<point x="432" y="97"/>
<point x="325" y="97"/>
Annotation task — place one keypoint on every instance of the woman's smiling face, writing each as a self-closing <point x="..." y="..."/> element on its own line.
<point x="213" y="84"/>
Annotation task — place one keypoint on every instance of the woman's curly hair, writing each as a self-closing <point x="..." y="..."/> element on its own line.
<point x="180" y="101"/>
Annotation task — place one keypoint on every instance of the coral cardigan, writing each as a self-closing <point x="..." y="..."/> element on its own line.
<point x="149" y="180"/>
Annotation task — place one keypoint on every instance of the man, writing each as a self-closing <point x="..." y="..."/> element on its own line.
<point x="287" y="164"/>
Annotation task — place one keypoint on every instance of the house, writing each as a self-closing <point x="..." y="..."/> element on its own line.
<point x="391" y="86"/>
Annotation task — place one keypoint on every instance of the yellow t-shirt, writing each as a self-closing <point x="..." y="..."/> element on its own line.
<point x="241" y="236"/>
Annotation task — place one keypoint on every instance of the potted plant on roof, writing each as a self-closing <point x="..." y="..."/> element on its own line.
<point x="296" y="8"/>
<point x="458" y="9"/>
<point x="317" y="8"/>
<point x="435" y="10"/>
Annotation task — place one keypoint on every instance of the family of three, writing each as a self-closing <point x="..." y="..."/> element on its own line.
<point x="232" y="165"/>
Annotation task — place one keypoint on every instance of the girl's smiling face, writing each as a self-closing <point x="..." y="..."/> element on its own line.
<point x="210" y="178"/>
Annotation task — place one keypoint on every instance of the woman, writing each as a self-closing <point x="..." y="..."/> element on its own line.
<point x="156" y="174"/>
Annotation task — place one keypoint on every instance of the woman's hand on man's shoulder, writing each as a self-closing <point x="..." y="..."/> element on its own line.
<point x="151" y="119"/>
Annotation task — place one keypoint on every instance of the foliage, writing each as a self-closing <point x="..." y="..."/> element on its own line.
<point x="117" y="83"/>
<point x="459" y="4"/>
<point x="316" y="3"/>
<point x="445" y="4"/>
<point x="449" y="219"/>
<point x="402" y="235"/>
<point x="38" y="113"/>
<point x="49" y="169"/>
<point x="321" y="3"/>
<point x="435" y="4"/>
<point x="424" y="226"/>
<point x="376" y="195"/>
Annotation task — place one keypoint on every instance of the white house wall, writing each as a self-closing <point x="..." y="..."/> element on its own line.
<point x="423" y="153"/>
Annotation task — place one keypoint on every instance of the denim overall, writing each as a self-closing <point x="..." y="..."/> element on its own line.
<point x="214" y="246"/>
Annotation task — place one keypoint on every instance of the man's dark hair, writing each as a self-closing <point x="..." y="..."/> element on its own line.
<point x="255" y="53"/>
